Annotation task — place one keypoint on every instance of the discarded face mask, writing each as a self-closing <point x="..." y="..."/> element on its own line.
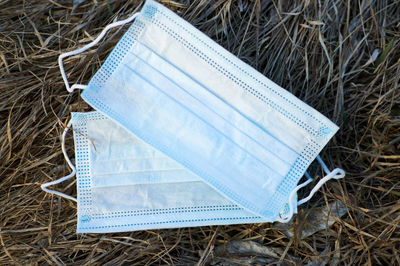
<point x="187" y="97"/>
<point x="123" y="184"/>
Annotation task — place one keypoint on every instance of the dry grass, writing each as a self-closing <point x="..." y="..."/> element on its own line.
<point x="341" y="57"/>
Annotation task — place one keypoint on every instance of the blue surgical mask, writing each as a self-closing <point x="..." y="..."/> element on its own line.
<point x="123" y="184"/>
<point x="187" y="97"/>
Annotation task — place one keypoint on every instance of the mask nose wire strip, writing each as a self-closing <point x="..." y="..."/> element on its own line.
<point x="55" y="182"/>
<point x="88" y="46"/>
<point x="337" y="173"/>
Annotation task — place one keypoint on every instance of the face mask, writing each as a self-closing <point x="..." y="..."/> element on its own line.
<point x="187" y="97"/>
<point x="125" y="185"/>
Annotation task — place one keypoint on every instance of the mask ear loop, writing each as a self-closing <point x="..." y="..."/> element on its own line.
<point x="337" y="173"/>
<point x="84" y="48"/>
<point x="55" y="182"/>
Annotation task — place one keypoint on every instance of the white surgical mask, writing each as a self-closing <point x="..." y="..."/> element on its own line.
<point x="125" y="185"/>
<point x="187" y="97"/>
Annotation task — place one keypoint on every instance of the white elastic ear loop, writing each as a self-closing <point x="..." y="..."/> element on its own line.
<point x="337" y="173"/>
<point x="88" y="46"/>
<point x="326" y="169"/>
<point x="55" y="182"/>
<point x="292" y="197"/>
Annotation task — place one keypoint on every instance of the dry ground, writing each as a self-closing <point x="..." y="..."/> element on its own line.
<point x="341" y="57"/>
